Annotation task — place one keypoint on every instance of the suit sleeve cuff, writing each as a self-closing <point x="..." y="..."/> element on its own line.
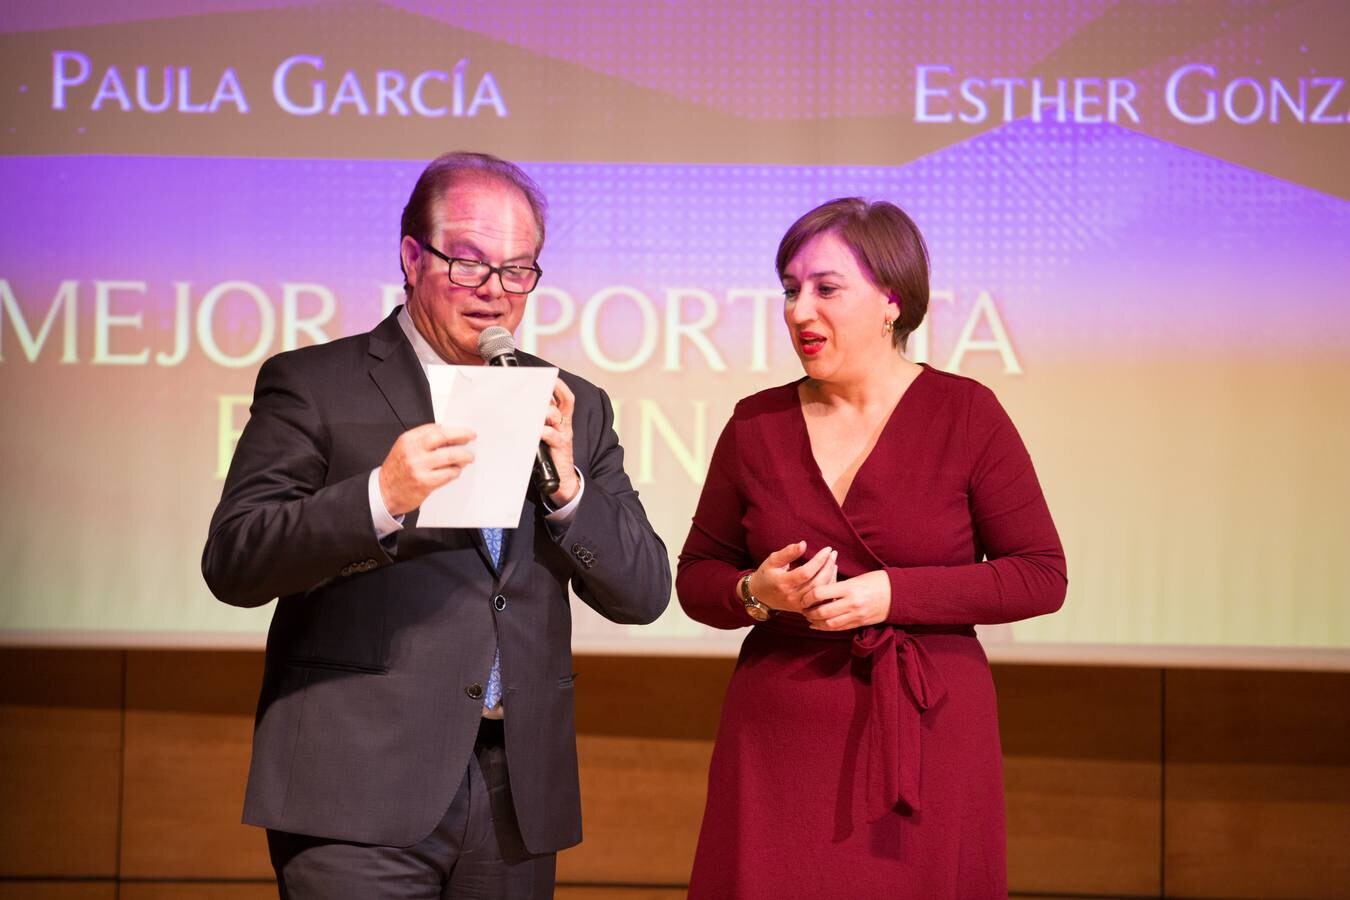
<point x="559" y="519"/>
<point x="384" y="523"/>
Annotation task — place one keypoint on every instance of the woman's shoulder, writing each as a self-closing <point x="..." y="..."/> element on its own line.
<point x="954" y="384"/>
<point x="968" y="405"/>
<point x="960" y="390"/>
<point x="778" y="399"/>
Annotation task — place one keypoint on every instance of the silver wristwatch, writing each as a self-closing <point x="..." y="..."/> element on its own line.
<point x="757" y="611"/>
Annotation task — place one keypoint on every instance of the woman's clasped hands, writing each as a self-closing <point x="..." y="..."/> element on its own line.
<point x="814" y="590"/>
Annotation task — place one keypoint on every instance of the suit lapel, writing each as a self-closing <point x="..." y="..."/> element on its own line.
<point x="519" y="540"/>
<point x="398" y="374"/>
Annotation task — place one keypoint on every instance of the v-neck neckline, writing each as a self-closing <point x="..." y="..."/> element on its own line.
<point x="891" y="418"/>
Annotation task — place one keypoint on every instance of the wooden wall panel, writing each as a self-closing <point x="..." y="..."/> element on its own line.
<point x="1258" y="784"/>
<point x="196" y="890"/>
<point x="645" y="728"/>
<point x="1083" y="774"/>
<point x="60" y="746"/>
<point x="58" y="890"/>
<point x="189" y="727"/>
<point x="1256" y="781"/>
<point x="645" y="696"/>
<point x="642" y="801"/>
<point x="617" y="892"/>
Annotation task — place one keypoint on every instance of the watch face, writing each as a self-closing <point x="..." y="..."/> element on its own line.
<point x="758" y="612"/>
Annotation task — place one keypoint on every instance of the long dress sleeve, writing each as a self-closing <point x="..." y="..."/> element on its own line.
<point x="715" y="556"/>
<point x="1022" y="573"/>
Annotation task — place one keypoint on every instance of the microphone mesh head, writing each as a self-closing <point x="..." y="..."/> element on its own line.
<point x="495" y="341"/>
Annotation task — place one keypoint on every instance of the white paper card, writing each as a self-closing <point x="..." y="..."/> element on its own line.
<point x="505" y="406"/>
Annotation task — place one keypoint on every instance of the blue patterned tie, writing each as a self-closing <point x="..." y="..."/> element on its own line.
<point x="493" y="695"/>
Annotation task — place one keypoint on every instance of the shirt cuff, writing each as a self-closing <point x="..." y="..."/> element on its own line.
<point x="562" y="516"/>
<point x="384" y="523"/>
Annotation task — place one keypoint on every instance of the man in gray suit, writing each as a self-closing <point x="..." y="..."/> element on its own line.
<point x="414" y="736"/>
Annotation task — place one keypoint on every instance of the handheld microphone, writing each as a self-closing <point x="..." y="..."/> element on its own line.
<point x="498" y="348"/>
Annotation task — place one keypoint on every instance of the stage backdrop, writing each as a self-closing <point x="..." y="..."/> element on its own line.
<point x="1137" y="215"/>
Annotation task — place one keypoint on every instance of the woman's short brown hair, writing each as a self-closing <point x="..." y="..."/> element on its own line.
<point x="887" y="245"/>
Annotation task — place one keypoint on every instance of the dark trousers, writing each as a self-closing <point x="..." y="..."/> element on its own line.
<point x="475" y="853"/>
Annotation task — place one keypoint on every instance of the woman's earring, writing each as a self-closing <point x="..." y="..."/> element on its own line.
<point x="889" y="325"/>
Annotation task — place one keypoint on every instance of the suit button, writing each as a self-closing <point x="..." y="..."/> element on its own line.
<point x="499" y="603"/>
<point x="475" y="691"/>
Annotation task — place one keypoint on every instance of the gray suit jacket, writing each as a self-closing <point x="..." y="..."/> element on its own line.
<point x="377" y="651"/>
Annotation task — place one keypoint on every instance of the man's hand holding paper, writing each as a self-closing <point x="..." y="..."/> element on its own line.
<point x="421" y="460"/>
<point x="502" y="408"/>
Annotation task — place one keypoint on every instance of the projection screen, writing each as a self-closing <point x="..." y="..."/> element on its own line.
<point x="1137" y="215"/>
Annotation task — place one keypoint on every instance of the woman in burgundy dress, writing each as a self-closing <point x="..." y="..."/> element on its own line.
<point x="862" y="520"/>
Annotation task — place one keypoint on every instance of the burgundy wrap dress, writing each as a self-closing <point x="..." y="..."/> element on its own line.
<point x="867" y="763"/>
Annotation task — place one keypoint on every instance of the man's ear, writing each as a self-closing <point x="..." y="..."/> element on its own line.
<point x="411" y="252"/>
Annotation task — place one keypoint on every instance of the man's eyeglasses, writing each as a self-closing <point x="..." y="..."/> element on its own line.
<point x="474" y="273"/>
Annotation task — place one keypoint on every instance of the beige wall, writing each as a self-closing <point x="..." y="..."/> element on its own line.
<point x="121" y="775"/>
